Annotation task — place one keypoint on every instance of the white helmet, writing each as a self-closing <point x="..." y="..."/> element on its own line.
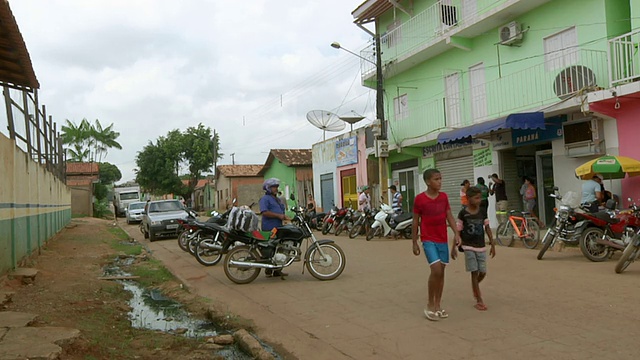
<point x="267" y="184"/>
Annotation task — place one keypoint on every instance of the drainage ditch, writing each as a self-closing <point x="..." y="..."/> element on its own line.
<point x="151" y="310"/>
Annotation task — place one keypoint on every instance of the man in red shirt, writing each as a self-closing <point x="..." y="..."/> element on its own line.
<point x="432" y="212"/>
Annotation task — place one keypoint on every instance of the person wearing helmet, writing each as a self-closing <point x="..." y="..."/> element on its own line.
<point x="364" y="200"/>
<point x="272" y="210"/>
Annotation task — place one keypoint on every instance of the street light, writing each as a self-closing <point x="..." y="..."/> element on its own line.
<point x="382" y="163"/>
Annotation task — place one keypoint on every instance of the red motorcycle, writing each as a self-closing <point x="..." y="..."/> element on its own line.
<point x="608" y="231"/>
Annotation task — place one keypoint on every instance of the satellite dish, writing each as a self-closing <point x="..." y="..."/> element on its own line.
<point x="325" y="121"/>
<point x="351" y="118"/>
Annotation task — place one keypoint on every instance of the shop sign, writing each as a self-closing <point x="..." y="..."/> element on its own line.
<point x="552" y="130"/>
<point x="482" y="157"/>
<point x="347" y="151"/>
<point x="432" y="149"/>
<point x="501" y="141"/>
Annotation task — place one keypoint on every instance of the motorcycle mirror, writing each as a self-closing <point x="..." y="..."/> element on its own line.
<point x="555" y="188"/>
<point x="234" y="201"/>
<point x="292" y="197"/>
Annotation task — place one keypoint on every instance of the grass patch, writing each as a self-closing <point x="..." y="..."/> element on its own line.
<point x="119" y="233"/>
<point x="152" y="273"/>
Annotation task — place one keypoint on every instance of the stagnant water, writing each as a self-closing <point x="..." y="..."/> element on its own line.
<point x="150" y="309"/>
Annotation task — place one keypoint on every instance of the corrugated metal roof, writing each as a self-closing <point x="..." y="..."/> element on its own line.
<point x="293" y="157"/>
<point x="15" y="62"/>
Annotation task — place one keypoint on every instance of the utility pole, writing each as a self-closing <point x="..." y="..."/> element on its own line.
<point x="233" y="158"/>
<point x="214" y="153"/>
<point x="382" y="161"/>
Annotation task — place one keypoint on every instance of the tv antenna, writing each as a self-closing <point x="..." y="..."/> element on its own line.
<point x="325" y="121"/>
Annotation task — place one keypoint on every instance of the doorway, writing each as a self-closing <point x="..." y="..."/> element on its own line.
<point x="326" y="191"/>
<point x="544" y="162"/>
<point x="406" y="183"/>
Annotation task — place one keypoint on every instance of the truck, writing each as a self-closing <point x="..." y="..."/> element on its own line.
<point x="123" y="196"/>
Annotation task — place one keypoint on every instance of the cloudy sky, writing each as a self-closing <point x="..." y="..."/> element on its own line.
<point x="251" y="70"/>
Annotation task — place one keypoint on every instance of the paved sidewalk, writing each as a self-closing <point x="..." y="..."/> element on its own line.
<point x="563" y="307"/>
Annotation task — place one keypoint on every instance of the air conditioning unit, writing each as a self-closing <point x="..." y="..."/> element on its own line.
<point x="584" y="137"/>
<point x="511" y="34"/>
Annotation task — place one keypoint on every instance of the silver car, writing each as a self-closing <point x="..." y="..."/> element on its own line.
<point x="161" y="219"/>
<point x="134" y="212"/>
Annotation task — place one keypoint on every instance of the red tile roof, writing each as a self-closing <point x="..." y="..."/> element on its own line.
<point x="239" y="170"/>
<point x="292" y="157"/>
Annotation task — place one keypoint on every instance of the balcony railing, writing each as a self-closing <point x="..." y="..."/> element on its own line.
<point x="541" y="85"/>
<point x="624" y="58"/>
<point x="427" y="27"/>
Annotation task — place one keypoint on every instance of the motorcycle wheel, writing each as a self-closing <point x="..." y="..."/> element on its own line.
<point x="407" y="233"/>
<point x="629" y="255"/>
<point x="326" y="227"/>
<point x="329" y="266"/>
<point x="533" y="236"/>
<point x="241" y="275"/>
<point x="206" y="256"/>
<point x="590" y="248"/>
<point x="355" y="230"/>
<point x="505" y="234"/>
<point x="370" y="233"/>
<point x="548" y="239"/>
<point x="183" y="240"/>
<point x="339" y="228"/>
<point x="192" y="244"/>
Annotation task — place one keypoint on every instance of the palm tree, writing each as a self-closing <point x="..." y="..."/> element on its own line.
<point x="105" y="139"/>
<point x="81" y="139"/>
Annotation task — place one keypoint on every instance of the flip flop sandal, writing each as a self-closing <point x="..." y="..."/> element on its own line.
<point x="431" y="315"/>
<point x="442" y="314"/>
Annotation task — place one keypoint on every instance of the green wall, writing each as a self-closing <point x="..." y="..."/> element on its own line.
<point x="618" y="17"/>
<point x="287" y="176"/>
<point x="515" y="76"/>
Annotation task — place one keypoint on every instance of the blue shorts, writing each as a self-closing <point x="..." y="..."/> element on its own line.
<point x="436" y="252"/>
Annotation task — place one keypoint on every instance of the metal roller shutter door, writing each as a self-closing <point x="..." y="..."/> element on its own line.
<point x="454" y="171"/>
<point x="513" y="182"/>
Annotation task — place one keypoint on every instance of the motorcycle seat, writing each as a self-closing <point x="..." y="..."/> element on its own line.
<point x="604" y="216"/>
<point x="403" y="217"/>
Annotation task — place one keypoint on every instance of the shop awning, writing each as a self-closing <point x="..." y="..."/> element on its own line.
<point x="534" y="120"/>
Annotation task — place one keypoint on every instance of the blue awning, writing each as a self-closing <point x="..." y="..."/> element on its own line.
<point x="534" y="120"/>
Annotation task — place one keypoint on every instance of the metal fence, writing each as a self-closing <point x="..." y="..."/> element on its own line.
<point x="33" y="131"/>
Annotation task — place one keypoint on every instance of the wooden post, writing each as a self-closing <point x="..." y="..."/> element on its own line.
<point x="7" y="102"/>
<point x="37" y="125"/>
<point x="27" y="123"/>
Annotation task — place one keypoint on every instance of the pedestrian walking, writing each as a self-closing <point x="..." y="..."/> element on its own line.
<point x="484" y="192"/>
<point x="432" y="212"/>
<point x="499" y="189"/>
<point x="529" y="199"/>
<point x="473" y="223"/>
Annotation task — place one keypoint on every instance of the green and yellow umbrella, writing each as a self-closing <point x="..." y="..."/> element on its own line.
<point x="610" y="167"/>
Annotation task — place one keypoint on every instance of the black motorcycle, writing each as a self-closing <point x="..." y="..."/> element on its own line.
<point x="280" y="248"/>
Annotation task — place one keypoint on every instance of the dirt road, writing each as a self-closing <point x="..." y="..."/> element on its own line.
<point x="563" y="307"/>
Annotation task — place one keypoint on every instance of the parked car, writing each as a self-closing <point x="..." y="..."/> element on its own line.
<point x="134" y="212"/>
<point x="161" y="218"/>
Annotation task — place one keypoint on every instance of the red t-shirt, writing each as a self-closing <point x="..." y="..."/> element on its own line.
<point x="433" y="216"/>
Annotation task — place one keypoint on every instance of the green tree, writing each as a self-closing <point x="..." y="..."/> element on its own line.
<point x="159" y="164"/>
<point x="103" y="140"/>
<point x="109" y="173"/>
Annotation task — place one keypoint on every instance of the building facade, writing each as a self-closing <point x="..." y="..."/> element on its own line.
<point x="495" y="86"/>
<point x="240" y="182"/>
<point x="294" y="169"/>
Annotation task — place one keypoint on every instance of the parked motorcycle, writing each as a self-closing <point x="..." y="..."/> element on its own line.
<point x="362" y="223"/>
<point x="324" y="259"/>
<point x="386" y="222"/>
<point x="608" y="231"/>
<point x="630" y="253"/>
<point x="346" y="222"/>
<point x="329" y="219"/>
<point x="568" y="224"/>
<point x="314" y="219"/>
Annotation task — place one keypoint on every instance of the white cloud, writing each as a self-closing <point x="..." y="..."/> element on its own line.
<point x="249" y="69"/>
